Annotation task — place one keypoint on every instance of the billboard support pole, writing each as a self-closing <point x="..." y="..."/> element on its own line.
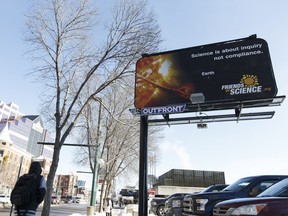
<point x="143" y="196"/>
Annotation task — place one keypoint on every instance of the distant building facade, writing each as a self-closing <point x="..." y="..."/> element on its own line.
<point x="19" y="135"/>
<point x="10" y="159"/>
<point x="185" y="181"/>
<point x="191" y="178"/>
<point x="68" y="185"/>
<point x="25" y="130"/>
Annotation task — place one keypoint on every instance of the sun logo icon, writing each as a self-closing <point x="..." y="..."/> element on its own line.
<point x="249" y="80"/>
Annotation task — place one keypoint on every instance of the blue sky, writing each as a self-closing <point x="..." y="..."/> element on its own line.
<point x="238" y="149"/>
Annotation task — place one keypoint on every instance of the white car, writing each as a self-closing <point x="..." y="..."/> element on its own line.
<point x="5" y="200"/>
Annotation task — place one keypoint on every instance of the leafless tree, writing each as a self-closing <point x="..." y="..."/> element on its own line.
<point x="59" y="33"/>
<point x="119" y="141"/>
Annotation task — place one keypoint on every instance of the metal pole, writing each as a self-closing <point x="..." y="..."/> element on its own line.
<point x="143" y="196"/>
<point x="94" y="183"/>
<point x="95" y="173"/>
<point x="19" y="171"/>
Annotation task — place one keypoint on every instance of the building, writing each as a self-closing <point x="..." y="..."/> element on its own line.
<point x="191" y="178"/>
<point x="11" y="159"/>
<point x="188" y="181"/>
<point x="19" y="135"/>
<point x="25" y="130"/>
<point x="67" y="185"/>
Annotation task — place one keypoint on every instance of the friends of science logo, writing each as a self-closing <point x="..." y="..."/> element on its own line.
<point x="248" y="84"/>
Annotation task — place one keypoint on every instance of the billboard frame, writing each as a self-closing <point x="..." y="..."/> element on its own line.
<point x="201" y="121"/>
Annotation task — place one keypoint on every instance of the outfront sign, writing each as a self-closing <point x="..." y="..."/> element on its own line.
<point x="227" y="71"/>
<point x="163" y="110"/>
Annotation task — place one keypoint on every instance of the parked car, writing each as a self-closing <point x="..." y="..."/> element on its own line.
<point x="5" y="200"/>
<point x="157" y="204"/>
<point x="202" y="204"/>
<point x="69" y="199"/>
<point x="174" y="205"/>
<point x="77" y="199"/>
<point x="271" y="202"/>
<point x="55" y="199"/>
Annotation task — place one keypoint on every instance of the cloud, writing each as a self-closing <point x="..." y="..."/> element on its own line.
<point x="175" y="152"/>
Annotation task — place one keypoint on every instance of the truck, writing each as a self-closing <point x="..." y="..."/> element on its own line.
<point x="272" y="202"/>
<point x="157" y="204"/>
<point x="174" y="205"/>
<point x="202" y="204"/>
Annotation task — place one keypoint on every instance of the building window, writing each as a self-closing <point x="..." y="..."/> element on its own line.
<point x="3" y="143"/>
<point x="1" y="153"/>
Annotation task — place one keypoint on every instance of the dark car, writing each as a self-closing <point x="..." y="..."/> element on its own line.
<point x="66" y="199"/>
<point x="55" y="200"/>
<point x="69" y="199"/>
<point x="174" y="205"/>
<point x="203" y="203"/>
<point x="77" y="199"/>
<point x="271" y="202"/>
<point x="157" y="204"/>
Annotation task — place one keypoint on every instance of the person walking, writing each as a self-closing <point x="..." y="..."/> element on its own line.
<point x="108" y="208"/>
<point x="37" y="196"/>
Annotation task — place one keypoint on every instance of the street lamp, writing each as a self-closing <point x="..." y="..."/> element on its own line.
<point x="91" y="208"/>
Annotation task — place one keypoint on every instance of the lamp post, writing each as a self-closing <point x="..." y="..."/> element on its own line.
<point x="94" y="183"/>
<point x="91" y="209"/>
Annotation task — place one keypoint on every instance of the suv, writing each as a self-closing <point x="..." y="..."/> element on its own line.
<point x="174" y="205"/>
<point x="203" y="203"/>
<point x="273" y="201"/>
<point x="157" y="204"/>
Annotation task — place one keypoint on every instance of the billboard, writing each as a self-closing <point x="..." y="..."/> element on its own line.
<point x="228" y="71"/>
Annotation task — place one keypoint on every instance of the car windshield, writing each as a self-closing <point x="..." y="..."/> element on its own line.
<point x="279" y="189"/>
<point x="239" y="185"/>
<point x="214" y="188"/>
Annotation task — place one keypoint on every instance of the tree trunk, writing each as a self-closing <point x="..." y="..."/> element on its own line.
<point x="50" y="180"/>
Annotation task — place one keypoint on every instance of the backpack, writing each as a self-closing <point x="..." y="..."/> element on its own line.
<point x="25" y="190"/>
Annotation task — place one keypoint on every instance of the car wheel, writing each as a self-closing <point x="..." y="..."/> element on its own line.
<point x="160" y="211"/>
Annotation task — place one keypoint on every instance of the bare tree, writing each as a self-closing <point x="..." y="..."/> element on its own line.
<point x="59" y="33"/>
<point x="119" y="141"/>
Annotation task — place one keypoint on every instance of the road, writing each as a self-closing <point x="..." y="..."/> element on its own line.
<point x="73" y="209"/>
<point x="57" y="210"/>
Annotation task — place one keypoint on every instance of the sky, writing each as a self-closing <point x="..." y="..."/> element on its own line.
<point x="238" y="149"/>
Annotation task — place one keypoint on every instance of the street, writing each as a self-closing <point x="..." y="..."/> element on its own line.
<point x="73" y="209"/>
<point x="57" y="210"/>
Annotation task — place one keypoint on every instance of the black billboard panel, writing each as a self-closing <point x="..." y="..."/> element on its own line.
<point x="228" y="71"/>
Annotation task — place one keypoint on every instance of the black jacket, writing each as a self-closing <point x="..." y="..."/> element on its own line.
<point x="41" y="191"/>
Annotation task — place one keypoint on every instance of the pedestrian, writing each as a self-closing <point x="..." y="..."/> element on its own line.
<point x="27" y="186"/>
<point x="108" y="208"/>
